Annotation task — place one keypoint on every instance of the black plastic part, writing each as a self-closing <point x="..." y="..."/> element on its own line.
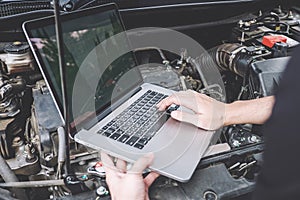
<point x="75" y="185"/>
<point x="266" y="74"/>
<point x="16" y="48"/>
<point x="172" y="108"/>
<point x="213" y="182"/>
<point x="16" y="7"/>
<point x="280" y="49"/>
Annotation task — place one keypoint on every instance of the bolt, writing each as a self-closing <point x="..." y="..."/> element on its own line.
<point x="17" y="142"/>
<point x="48" y="157"/>
<point x="254" y="139"/>
<point x="69" y="178"/>
<point x="30" y="156"/>
<point x="236" y="143"/>
<point x="81" y="163"/>
<point x="102" y="191"/>
<point x="210" y="195"/>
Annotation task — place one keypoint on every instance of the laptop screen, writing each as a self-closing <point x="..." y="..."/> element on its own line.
<point x="100" y="68"/>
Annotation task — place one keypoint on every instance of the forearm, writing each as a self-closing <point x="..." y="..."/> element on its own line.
<point x="255" y="111"/>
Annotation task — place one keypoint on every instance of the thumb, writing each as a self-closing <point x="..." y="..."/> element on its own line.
<point x="150" y="178"/>
<point x="142" y="163"/>
<point x="185" y="117"/>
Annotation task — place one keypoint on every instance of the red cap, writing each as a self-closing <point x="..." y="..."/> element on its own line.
<point x="270" y="40"/>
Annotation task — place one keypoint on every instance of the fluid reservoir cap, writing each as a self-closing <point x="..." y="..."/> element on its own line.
<point x="16" y="48"/>
<point x="270" y="40"/>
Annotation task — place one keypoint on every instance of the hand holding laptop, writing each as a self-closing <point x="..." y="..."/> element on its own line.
<point x="129" y="184"/>
<point x="208" y="113"/>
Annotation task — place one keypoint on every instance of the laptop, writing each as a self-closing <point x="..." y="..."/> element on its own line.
<point x="110" y="107"/>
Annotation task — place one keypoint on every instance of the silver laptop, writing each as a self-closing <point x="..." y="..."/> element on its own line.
<point x="110" y="107"/>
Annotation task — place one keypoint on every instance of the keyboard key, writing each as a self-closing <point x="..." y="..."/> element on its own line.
<point x="156" y="99"/>
<point x="160" y="95"/>
<point x="139" y="133"/>
<point x="125" y="117"/>
<point x="118" y="123"/>
<point x="120" y="131"/>
<point x="115" y="136"/>
<point x="143" y="130"/>
<point x="136" y="126"/>
<point x="134" y="109"/>
<point x="106" y="134"/>
<point x="111" y="122"/>
<point x="123" y="138"/>
<point x="132" y="140"/>
<point x="135" y="117"/>
<point x="114" y="126"/>
<point x="131" y="121"/>
<point x="143" y="110"/>
<point x="127" y="124"/>
<point x="139" y="146"/>
<point x="143" y="141"/>
<point x="139" y="105"/>
<point x="152" y="102"/>
<point x="110" y="130"/>
<point x="147" y="115"/>
<point x="130" y="132"/>
<point x="139" y="113"/>
<point x="140" y="122"/>
<point x="144" y="101"/>
<point x="152" y="110"/>
<point x="131" y="112"/>
<point x="147" y="137"/>
<point x="147" y="107"/>
<point x="150" y="133"/>
<point x="148" y="124"/>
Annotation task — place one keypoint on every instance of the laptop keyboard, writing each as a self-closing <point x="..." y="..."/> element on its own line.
<point x="138" y="123"/>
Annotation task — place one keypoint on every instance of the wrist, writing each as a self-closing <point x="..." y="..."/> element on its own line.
<point x="231" y="113"/>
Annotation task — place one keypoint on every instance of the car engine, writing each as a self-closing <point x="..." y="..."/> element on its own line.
<point x="251" y="56"/>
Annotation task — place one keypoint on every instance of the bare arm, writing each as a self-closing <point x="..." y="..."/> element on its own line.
<point x="255" y="111"/>
<point x="211" y="114"/>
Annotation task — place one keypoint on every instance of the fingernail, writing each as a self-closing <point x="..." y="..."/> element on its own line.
<point x="174" y="114"/>
<point x="149" y="155"/>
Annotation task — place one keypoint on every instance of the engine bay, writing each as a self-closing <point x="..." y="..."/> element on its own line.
<point x="250" y="49"/>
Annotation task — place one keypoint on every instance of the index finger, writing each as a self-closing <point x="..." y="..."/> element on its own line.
<point x="142" y="163"/>
<point x="182" y="98"/>
<point x="163" y="104"/>
<point x="107" y="160"/>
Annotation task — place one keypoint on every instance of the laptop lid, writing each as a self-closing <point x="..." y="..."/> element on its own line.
<point x="88" y="39"/>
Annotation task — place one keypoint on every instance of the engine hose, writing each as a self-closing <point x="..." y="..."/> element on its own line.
<point x="31" y="184"/>
<point x="9" y="176"/>
<point x="228" y="57"/>
<point x="61" y="145"/>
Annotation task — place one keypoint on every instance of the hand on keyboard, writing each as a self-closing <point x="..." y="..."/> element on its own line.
<point x="208" y="113"/>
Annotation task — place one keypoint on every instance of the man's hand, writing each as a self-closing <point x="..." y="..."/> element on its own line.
<point x="211" y="114"/>
<point x="128" y="185"/>
<point x="208" y="113"/>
